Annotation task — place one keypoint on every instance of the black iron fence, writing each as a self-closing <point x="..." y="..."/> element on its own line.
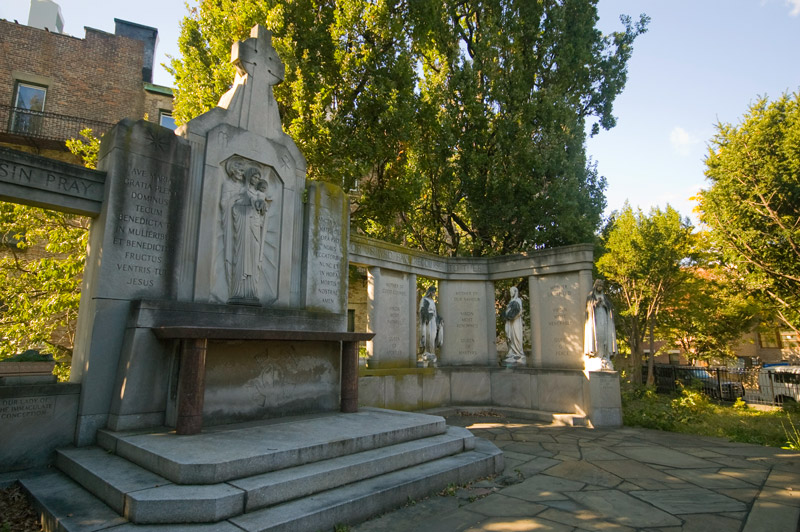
<point x="770" y="385"/>
<point x="46" y="126"/>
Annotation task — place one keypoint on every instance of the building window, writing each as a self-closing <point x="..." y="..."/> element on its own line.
<point x="768" y="339"/>
<point x="351" y="320"/>
<point x="165" y="119"/>
<point x="789" y="339"/>
<point x="29" y="105"/>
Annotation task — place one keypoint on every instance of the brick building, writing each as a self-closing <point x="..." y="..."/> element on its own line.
<point x="53" y="85"/>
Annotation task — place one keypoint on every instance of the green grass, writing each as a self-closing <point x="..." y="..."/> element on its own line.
<point x="692" y="412"/>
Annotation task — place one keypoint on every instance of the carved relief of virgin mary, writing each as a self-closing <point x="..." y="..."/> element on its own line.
<point x="245" y="202"/>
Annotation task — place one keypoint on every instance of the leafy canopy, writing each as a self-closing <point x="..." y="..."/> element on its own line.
<point x="462" y="123"/>
<point x="644" y="259"/>
<point x="753" y="203"/>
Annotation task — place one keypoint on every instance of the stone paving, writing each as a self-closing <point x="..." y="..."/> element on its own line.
<point x="561" y="478"/>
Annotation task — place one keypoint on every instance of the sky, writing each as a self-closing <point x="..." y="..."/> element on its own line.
<point x="700" y="63"/>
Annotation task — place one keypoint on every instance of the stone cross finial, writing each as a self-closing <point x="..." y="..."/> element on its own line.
<point x="257" y="58"/>
<point x="250" y="103"/>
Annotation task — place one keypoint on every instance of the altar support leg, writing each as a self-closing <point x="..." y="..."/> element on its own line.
<point x="349" y="377"/>
<point x="191" y="386"/>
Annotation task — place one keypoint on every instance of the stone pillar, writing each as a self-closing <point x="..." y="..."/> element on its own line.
<point x="349" y="377"/>
<point x="191" y="386"/>
<point x="389" y="305"/>
<point x="133" y="253"/>
<point x="469" y="323"/>
<point x="603" y="402"/>
<point x="413" y="318"/>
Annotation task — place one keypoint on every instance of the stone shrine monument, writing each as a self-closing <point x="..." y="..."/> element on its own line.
<point x="204" y="236"/>
<point x="218" y="378"/>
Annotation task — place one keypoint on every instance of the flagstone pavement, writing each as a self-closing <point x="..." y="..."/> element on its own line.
<point x="561" y="478"/>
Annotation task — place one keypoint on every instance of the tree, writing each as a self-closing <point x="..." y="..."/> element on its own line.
<point x="753" y="203"/>
<point x="644" y="260"/>
<point x="461" y="121"/>
<point x="41" y="271"/>
<point x="710" y="311"/>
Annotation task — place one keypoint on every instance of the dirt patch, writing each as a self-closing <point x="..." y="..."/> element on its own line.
<point x="16" y="512"/>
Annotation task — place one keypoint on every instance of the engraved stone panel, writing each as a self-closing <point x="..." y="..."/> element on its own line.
<point x="557" y="320"/>
<point x="142" y="217"/>
<point x="389" y="297"/>
<point x="325" y="248"/>
<point x="464" y="305"/>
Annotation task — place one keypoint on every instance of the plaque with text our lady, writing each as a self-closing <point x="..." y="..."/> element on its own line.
<point x="143" y="215"/>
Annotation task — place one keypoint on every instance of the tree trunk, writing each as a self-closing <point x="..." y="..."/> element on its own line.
<point x="651" y="380"/>
<point x="636" y="355"/>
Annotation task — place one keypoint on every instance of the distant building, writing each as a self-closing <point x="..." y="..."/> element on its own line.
<point x="53" y="85"/>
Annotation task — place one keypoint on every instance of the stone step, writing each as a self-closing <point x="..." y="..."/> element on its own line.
<point x="67" y="507"/>
<point x="145" y="497"/>
<point x="64" y="506"/>
<point x="357" y="502"/>
<point x="219" y="454"/>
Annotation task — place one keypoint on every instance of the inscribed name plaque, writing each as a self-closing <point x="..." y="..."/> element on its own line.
<point x="464" y="306"/>
<point x="559" y="311"/>
<point x="143" y="212"/>
<point x="325" y="250"/>
<point x="19" y="408"/>
<point x="389" y="319"/>
<point x="42" y="182"/>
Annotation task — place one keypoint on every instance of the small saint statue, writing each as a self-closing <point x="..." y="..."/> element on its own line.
<point x="513" y="317"/>
<point x="599" y="333"/>
<point x="431" y="328"/>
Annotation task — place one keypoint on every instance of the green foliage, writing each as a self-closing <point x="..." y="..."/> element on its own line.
<point x="461" y="121"/>
<point x="40" y="279"/>
<point x="690" y="412"/>
<point x="753" y="203"/>
<point x="31" y="355"/>
<point x="87" y="150"/>
<point x="792" y="435"/>
<point x="40" y="273"/>
<point x="644" y="260"/>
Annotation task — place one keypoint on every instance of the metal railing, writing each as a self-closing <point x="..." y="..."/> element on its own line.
<point x="759" y="385"/>
<point x="46" y="126"/>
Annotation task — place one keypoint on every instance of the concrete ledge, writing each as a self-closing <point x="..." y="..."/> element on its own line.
<point x="583" y="397"/>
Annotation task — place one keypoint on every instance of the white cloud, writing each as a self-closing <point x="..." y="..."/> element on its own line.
<point x="795" y="5"/>
<point x="682" y="141"/>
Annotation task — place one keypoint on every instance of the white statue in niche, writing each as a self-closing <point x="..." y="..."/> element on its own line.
<point x="431" y="328"/>
<point x="244" y="208"/>
<point x="513" y="317"/>
<point x="599" y="334"/>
